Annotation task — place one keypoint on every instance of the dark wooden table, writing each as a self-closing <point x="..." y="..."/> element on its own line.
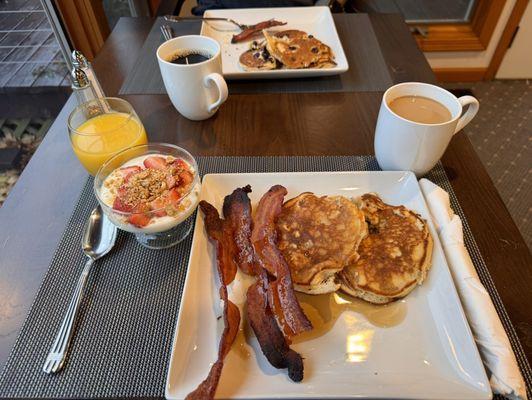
<point x="36" y="212"/>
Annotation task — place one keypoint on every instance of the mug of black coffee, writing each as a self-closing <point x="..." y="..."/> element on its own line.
<point x="191" y="67"/>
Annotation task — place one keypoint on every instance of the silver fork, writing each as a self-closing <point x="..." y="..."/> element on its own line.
<point x="167" y="31"/>
<point x="174" y="18"/>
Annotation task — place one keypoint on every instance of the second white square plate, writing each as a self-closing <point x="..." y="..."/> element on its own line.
<point x="317" y="21"/>
<point x="424" y="351"/>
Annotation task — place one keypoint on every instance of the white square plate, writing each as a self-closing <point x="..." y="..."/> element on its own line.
<point x="317" y="21"/>
<point x="428" y="354"/>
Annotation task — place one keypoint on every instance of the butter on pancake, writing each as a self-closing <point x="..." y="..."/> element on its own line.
<point x="297" y="49"/>
<point x="394" y="258"/>
<point x="318" y="236"/>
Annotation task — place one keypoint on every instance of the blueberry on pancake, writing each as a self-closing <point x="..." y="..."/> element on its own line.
<point x="297" y="49"/>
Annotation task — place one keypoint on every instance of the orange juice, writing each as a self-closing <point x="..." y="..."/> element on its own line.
<point x="99" y="138"/>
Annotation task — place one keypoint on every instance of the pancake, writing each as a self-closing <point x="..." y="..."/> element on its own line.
<point x="257" y="58"/>
<point x="318" y="236"/>
<point x="297" y="49"/>
<point x="291" y="34"/>
<point x="394" y="258"/>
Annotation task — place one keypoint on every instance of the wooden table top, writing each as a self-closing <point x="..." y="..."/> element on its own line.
<point x="34" y="216"/>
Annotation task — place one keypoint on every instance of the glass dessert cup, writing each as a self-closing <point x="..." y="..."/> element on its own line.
<point x="154" y="227"/>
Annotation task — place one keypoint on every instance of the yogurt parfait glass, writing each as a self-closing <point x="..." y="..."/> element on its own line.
<point x="161" y="218"/>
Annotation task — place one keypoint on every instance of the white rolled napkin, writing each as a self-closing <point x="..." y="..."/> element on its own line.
<point x="492" y="341"/>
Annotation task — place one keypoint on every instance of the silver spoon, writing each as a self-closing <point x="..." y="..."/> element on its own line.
<point x="99" y="237"/>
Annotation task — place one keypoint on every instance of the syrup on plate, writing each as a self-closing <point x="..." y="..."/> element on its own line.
<point x="323" y="311"/>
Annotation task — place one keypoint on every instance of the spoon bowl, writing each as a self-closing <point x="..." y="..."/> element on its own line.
<point x="99" y="235"/>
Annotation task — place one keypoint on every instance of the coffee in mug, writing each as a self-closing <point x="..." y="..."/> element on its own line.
<point x="191" y="67"/>
<point x="189" y="57"/>
<point x="420" y="109"/>
<point x="416" y="123"/>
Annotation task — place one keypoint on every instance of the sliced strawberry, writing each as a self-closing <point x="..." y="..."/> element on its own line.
<point x="185" y="177"/>
<point x="128" y="171"/>
<point x="180" y="164"/>
<point x="122" y="191"/>
<point x="139" y="220"/>
<point x="155" y="162"/>
<point x="174" y="196"/>
<point x="158" y="206"/>
<point x="141" y="217"/>
<point x="170" y="181"/>
<point x="120" y="205"/>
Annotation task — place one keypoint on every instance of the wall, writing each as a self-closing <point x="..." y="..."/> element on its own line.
<point x="517" y="62"/>
<point x="472" y="59"/>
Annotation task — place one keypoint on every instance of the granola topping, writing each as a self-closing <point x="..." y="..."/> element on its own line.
<point x="144" y="186"/>
<point x="156" y="187"/>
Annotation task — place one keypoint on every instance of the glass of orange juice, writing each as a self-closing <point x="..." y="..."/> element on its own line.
<point x="101" y="128"/>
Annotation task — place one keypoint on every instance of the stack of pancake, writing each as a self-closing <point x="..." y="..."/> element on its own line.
<point x="291" y="49"/>
<point x="364" y="247"/>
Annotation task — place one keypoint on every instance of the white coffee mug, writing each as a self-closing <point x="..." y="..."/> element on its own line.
<point x="404" y="145"/>
<point x="196" y="90"/>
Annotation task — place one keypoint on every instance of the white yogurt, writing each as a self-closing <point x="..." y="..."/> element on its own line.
<point x="156" y="224"/>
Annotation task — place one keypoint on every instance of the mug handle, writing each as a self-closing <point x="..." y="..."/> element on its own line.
<point x="220" y="83"/>
<point x="469" y="114"/>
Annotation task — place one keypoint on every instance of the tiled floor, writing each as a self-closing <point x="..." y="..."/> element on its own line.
<point x="29" y="53"/>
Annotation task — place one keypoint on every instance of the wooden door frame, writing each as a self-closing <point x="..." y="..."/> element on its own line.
<point x="85" y="23"/>
<point x="506" y="38"/>
<point x="471" y="36"/>
<point x="489" y="72"/>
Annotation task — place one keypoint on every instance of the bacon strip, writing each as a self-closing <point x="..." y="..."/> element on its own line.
<point x="221" y="237"/>
<point x="224" y="264"/>
<point x="237" y="214"/>
<point x="272" y="341"/>
<point x="253" y="30"/>
<point x="282" y="299"/>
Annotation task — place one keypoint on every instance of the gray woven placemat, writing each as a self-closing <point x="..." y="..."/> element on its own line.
<point x="367" y="67"/>
<point x="122" y="342"/>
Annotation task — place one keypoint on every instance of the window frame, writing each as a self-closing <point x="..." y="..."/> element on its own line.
<point x="470" y="36"/>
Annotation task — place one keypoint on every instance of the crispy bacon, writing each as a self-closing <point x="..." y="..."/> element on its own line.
<point x="224" y="264"/>
<point x="237" y="214"/>
<point x="282" y="298"/>
<point x="221" y="237"/>
<point x="253" y="30"/>
<point x="207" y="388"/>
<point x="271" y="339"/>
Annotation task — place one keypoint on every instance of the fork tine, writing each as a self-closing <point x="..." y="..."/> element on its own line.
<point x="56" y="366"/>
<point x="47" y="367"/>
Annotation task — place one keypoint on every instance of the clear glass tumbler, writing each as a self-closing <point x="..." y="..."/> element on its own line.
<point x="100" y="128"/>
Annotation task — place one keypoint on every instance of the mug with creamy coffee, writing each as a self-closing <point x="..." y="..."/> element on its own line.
<point x="191" y="67"/>
<point x="416" y="123"/>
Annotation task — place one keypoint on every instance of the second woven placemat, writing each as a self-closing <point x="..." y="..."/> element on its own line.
<point x="122" y="342"/>
<point x="358" y="39"/>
